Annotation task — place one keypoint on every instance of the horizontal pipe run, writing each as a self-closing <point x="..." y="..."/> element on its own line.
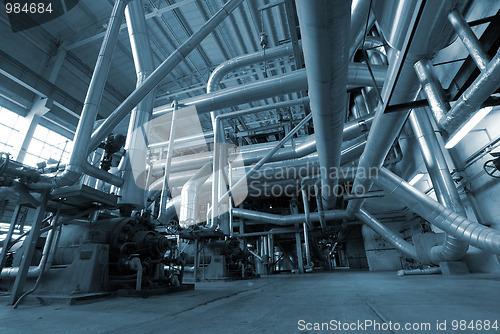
<point x="296" y="81"/>
<point x="269" y="218"/>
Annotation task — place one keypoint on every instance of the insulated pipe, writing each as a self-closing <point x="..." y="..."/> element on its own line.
<point x="360" y="14"/>
<point x="385" y="127"/>
<point x="324" y="26"/>
<point x="432" y="89"/>
<point x="244" y="60"/>
<point x="357" y="75"/>
<point x="269" y="218"/>
<point x="402" y="245"/>
<point x="444" y="186"/>
<point x="473" y="45"/>
<point x="159" y="73"/>
<point x="470" y="101"/>
<point x="78" y="159"/>
<point x="189" y="196"/>
<point x="133" y="190"/>
<point x="437" y="214"/>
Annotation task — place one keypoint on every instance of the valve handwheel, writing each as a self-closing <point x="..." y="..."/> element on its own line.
<point x="492" y="167"/>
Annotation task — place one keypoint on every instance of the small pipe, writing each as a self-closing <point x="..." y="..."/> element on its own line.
<point x="425" y="271"/>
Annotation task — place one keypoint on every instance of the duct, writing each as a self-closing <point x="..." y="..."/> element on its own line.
<point x="432" y="89"/>
<point x="159" y="73"/>
<point x="402" y="245"/>
<point x="473" y="45"/>
<point x="272" y="219"/>
<point x="430" y="33"/>
<point x="470" y="101"/>
<point x="296" y="81"/>
<point x="78" y="159"/>
<point x="437" y="214"/>
<point x="189" y="196"/>
<point x="324" y="25"/>
<point x="133" y="190"/>
<point x="444" y="186"/>
<point x="248" y="59"/>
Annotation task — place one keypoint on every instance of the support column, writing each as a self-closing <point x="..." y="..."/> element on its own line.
<point x="29" y="248"/>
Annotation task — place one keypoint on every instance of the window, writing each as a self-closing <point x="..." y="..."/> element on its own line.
<point x="11" y="125"/>
<point x="49" y="146"/>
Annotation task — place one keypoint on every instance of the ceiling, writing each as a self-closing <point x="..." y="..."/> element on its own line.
<point x="30" y="55"/>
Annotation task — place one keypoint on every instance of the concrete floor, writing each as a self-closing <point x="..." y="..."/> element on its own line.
<point x="275" y="305"/>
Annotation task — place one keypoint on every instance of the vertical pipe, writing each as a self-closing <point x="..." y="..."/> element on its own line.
<point x="444" y="186"/>
<point x="324" y="25"/>
<point x="134" y="175"/>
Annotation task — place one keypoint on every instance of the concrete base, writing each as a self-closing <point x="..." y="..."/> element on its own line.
<point x="454" y="268"/>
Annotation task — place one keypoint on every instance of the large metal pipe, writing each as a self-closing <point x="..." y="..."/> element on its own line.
<point x="437" y="214"/>
<point x="473" y="45"/>
<point x="402" y="245"/>
<point x="444" y="186"/>
<point x="164" y="69"/>
<point x="432" y="89"/>
<point x="296" y="81"/>
<point x="360" y="14"/>
<point x="324" y="26"/>
<point x="470" y="101"/>
<point x="133" y="190"/>
<point x="78" y="159"/>
<point x="272" y="219"/>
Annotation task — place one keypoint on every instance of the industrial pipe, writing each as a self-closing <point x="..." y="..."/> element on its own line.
<point x="437" y="214"/>
<point x="269" y="218"/>
<point x="78" y="159"/>
<point x="432" y="89"/>
<point x="473" y="45"/>
<point x="444" y="186"/>
<point x="324" y="26"/>
<point x="296" y="81"/>
<point x="470" y="101"/>
<point x="402" y="245"/>
<point x="133" y="190"/>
